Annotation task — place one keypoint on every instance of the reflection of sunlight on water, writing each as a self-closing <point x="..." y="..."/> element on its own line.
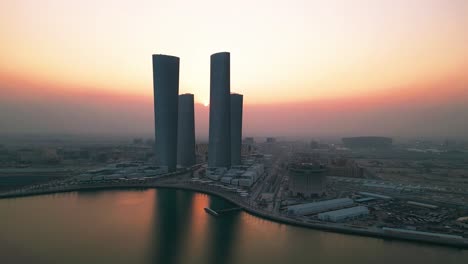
<point x="199" y="217"/>
<point x="197" y="226"/>
<point x="262" y="225"/>
<point x="137" y="226"/>
<point x="133" y="198"/>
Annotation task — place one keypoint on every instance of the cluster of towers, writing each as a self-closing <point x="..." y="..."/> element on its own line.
<point x="175" y="122"/>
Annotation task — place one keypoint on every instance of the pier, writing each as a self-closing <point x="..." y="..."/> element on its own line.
<point x="221" y="211"/>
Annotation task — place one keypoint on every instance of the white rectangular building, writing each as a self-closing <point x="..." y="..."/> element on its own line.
<point x="226" y="180"/>
<point x="245" y="182"/>
<point x="375" y="195"/>
<point x="430" y="206"/>
<point x="317" y="207"/>
<point x="215" y="173"/>
<point x="344" y="214"/>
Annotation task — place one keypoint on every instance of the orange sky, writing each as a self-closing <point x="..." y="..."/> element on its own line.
<point x="361" y="53"/>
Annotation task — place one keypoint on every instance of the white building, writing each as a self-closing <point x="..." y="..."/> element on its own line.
<point x="215" y="173"/>
<point x="375" y="195"/>
<point x="317" y="207"/>
<point x="239" y="175"/>
<point x="344" y="214"/>
<point x="226" y="180"/>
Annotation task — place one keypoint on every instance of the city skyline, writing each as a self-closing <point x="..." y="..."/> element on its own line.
<point x="103" y="114"/>
<point x="269" y="131"/>
<point x="365" y="61"/>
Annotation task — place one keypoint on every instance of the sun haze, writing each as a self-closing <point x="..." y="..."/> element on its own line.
<point x="283" y="52"/>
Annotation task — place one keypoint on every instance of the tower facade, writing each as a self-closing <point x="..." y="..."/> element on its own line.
<point x="166" y="91"/>
<point x="219" y="149"/>
<point x="186" y="131"/>
<point x="236" y="128"/>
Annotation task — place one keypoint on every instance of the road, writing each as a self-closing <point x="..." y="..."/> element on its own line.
<point x="182" y="181"/>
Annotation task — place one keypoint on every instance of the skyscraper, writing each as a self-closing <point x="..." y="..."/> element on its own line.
<point x="219" y="149"/>
<point x="186" y="131"/>
<point x="166" y="91"/>
<point x="236" y="128"/>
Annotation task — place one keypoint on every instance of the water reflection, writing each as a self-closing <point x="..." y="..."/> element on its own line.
<point x="174" y="226"/>
<point x="172" y="212"/>
<point x="170" y="227"/>
<point x="222" y="233"/>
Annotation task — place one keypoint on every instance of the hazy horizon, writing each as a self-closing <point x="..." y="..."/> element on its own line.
<point x="47" y="112"/>
<point x="305" y="68"/>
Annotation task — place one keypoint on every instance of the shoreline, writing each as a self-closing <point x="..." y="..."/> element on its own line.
<point x="462" y="245"/>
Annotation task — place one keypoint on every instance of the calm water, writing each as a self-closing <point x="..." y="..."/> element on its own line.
<point x="168" y="226"/>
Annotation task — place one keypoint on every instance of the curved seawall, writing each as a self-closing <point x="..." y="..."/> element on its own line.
<point x="233" y="198"/>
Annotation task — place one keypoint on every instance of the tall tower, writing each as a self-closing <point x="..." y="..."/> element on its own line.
<point x="186" y="131"/>
<point x="236" y="128"/>
<point x="219" y="149"/>
<point x="166" y="92"/>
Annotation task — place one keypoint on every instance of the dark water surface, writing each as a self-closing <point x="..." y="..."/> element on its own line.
<point x="169" y="226"/>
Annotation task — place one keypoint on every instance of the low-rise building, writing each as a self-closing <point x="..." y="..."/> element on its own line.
<point x="318" y="207"/>
<point x="307" y="179"/>
<point x="344" y="214"/>
<point x="215" y="173"/>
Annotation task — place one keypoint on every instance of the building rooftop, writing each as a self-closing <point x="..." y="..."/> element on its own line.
<point x="307" y="167"/>
<point x="320" y="203"/>
<point x="347" y="211"/>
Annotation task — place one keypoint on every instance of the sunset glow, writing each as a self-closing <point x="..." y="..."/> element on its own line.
<point x="281" y="51"/>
